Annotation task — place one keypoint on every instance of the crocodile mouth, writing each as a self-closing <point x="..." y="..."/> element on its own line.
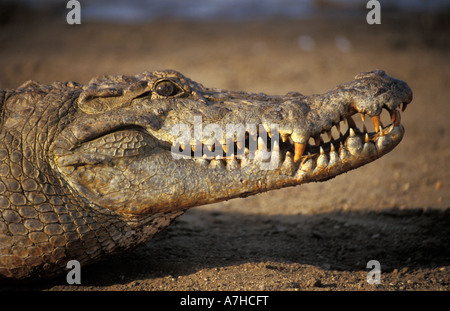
<point x="347" y="143"/>
<point x="344" y="145"/>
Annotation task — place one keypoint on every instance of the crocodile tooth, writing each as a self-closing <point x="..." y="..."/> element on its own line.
<point x="396" y="117"/>
<point x="366" y="138"/>
<point x="322" y="160"/>
<point x="352" y="132"/>
<point x="299" y="149"/>
<point x="283" y="138"/>
<point x="288" y="166"/>
<point x="332" y="148"/>
<point x="363" y="116"/>
<point x="376" y="122"/>
<point x="334" y="156"/>
<point x="288" y="159"/>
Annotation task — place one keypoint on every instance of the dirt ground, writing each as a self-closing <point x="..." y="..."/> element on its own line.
<point x="319" y="236"/>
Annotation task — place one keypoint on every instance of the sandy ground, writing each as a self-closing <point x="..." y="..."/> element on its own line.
<point x="312" y="237"/>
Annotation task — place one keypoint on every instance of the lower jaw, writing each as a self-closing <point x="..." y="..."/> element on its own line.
<point x="355" y="152"/>
<point x="347" y="153"/>
<point x="224" y="179"/>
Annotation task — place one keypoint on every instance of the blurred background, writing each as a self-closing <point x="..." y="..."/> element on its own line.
<point x="144" y="10"/>
<point x="274" y="46"/>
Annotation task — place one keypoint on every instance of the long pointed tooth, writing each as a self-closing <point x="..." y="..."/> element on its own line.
<point x="376" y="122"/>
<point x="366" y="138"/>
<point x="299" y="149"/>
<point x="322" y="160"/>
<point x="334" y="157"/>
<point x="283" y="138"/>
<point x="352" y="132"/>
<point x="321" y="150"/>
<point x="363" y="116"/>
<point x="224" y="147"/>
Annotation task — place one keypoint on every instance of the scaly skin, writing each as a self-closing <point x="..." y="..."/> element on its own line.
<point x="92" y="170"/>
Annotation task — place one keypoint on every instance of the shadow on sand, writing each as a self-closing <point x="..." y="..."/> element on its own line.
<point x="344" y="241"/>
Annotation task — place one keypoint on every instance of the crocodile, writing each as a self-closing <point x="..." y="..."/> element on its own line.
<point x="91" y="170"/>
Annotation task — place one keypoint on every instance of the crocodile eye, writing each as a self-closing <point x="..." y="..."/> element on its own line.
<point x="167" y="88"/>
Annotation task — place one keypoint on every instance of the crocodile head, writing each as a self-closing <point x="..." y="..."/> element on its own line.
<point x="92" y="170"/>
<point x="159" y="142"/>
